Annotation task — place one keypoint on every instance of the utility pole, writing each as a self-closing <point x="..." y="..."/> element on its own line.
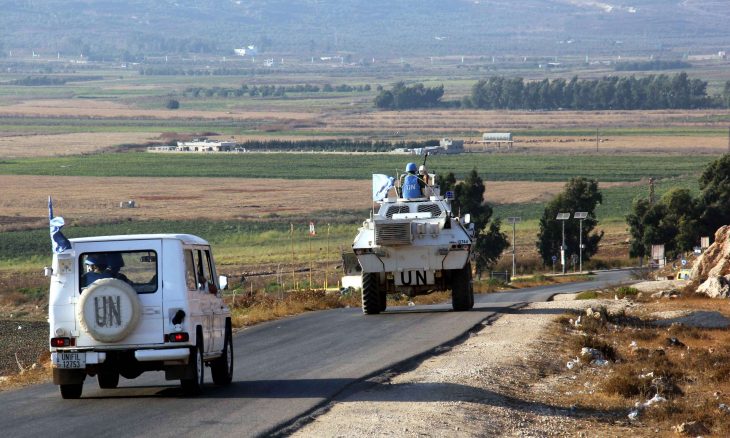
<point x="291" y="241"/>
<point x="651" y="191"/>
<point x="580" y="215"/>
<point x="562" y="217"/>
<point x="513" y="221"/>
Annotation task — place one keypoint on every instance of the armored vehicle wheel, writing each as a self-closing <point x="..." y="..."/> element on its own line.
<point x="462" y="294"/>
<point x="371" y="300"/>
<point x="222" y="368"/>
<point x="383" y="301"/>
<point x="108" y="379"/>
<point x="71" y="390"/>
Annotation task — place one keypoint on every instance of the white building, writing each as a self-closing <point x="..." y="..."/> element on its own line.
<point x="205" y="146"/>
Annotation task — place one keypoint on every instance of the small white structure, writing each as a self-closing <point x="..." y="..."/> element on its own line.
<point x="249" y="50"/>
<point x="205" y="146"/>
<point x="452" y="146"/>
<point x="431" y="150"/>
<point x="498" y="138"/>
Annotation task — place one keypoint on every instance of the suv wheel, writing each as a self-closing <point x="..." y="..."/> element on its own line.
<point x="196" y="368"/>
<point x="71" y="390"/>
<point x="222" y="368"/>
<point x="371" y="300"/>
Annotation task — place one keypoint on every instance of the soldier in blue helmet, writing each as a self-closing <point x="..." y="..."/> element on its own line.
<point x="412" y="186"/>
<point x="97" y="269"/>
<point x="115" y="262"/>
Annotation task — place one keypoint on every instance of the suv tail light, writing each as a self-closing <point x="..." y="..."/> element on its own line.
<point x="63" y="342"/>
<point x="177" y="337"/>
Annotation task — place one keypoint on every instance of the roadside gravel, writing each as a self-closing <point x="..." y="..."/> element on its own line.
<point x="488" y="385"/>
<point x="26" y="339"/>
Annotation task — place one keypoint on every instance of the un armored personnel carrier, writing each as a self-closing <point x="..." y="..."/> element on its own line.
<point x="415" y="246"/>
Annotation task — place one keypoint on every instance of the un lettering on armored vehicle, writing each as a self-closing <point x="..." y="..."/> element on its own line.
<point x="413" y="245"/>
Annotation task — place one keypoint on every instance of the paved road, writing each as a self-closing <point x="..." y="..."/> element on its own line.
<point x="284" y="370"/>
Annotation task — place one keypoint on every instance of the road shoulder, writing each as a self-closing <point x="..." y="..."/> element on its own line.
<point x="488" y="385"/>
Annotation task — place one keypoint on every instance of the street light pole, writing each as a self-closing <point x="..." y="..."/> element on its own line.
<point x="563" y="217"/>
<point x="580" y="215"/>
<point x="513" y="221"/>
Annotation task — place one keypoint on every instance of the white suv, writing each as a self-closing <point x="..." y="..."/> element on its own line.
<point x="123" y="305"/>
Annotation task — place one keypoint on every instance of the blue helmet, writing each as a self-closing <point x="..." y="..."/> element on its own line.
<point x="95" y="259"/>
<point x="411" y="167"/>
<point x="115" y="261"/>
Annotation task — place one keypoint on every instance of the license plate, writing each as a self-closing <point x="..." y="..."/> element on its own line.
<point x="414" y="278"/>
<point x="72" y="360"/>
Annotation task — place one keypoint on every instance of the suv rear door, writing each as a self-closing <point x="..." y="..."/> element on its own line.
<point x="141" y="268"/>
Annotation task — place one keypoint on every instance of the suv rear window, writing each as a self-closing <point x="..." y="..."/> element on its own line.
<point x="136" y="268"/>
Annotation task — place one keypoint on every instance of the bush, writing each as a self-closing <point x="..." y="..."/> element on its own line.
<point x="172" y="104"/>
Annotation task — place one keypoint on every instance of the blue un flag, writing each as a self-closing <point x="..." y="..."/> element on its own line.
<point x="59" y="242"/>
<point x="381" y="185"/>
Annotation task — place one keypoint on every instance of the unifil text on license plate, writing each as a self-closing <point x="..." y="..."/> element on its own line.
<point x="70" y="360"/>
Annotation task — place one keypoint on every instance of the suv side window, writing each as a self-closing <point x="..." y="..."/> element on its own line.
<point x="190" y="270"/>
<point x="202" y="262"/>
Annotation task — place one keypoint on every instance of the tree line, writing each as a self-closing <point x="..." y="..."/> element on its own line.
<point x="165" y="70"/>
<point x="271" y="90"/>
<point x="402" y="96"/>
<point x="608" y="93"/>
<point x="35" y="81"/>
<point x="678" y="219"/>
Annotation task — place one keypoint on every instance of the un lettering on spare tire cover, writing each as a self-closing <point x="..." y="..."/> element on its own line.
<point x="108" y="310"/>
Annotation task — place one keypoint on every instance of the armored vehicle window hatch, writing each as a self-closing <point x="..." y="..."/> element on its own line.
<point x="396" y="209"/>
<point x="434" y="209"/>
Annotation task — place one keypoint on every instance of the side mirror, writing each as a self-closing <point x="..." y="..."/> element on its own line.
<point x="467" y="218"/>
<point x="47" y="271"/>
<point x="223" y="282"/>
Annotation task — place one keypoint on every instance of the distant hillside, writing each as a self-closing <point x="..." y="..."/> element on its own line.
<point x="369" y="28"/>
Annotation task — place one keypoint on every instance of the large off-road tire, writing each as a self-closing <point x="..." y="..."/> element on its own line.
<point x="222" y="368"/>
<point x="371" y="299"/>
<point x="71" y="390"/>
<point x="462" y="294"/>
<point x="193" y="385"/>
<point x="109" y="310"/>
<point x="108" y="379"/>
<point x="383" y="301"/>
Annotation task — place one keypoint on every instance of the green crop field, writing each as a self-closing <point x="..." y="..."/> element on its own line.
<point x="616" y="203"/>
<point x="236" y="242"/>
<point x="504" y="167"/>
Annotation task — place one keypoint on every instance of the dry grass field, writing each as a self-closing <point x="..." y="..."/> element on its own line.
<point x="483" y="121"/>
<point x="106" y="109"/>
<point x="34" y="145"/>
<point x="298" y="122"/>
<point x="89" y="199"/>
<point x="24" y="200"/>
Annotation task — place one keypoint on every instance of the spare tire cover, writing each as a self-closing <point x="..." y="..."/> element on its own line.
<point x="108" y="310"/>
